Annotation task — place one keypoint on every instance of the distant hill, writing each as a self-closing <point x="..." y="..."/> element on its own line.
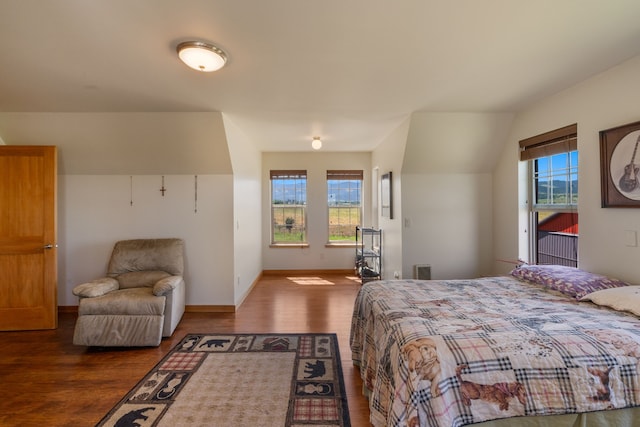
<point x="559" y="190"/>
<point x="292" y="191"/>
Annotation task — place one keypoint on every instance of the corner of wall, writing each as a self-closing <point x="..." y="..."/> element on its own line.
<point x="388" y="156"/>
<point x="246" y="163"/>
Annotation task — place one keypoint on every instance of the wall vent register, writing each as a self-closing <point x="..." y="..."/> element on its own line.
<point x="422" y="272"/>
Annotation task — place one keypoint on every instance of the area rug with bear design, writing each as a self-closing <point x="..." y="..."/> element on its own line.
<point x="291" y="380"/>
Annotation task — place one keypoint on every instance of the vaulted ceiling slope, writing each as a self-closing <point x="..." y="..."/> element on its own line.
<point x="349" y="71"/>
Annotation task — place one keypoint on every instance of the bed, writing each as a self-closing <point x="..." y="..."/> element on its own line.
<point x="544" y="346"/>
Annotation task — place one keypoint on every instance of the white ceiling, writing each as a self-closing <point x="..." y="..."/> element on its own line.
<point x="349" y="71"/>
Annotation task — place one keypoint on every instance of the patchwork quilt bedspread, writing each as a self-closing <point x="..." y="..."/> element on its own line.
<point x="457" y="352"/>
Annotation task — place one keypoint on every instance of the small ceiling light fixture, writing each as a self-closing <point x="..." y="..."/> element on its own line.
<point x="201" y="56"/>
<point x="316" y="144"/>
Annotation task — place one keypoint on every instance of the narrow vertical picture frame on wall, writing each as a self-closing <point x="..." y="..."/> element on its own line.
<point x="386" y="195"/>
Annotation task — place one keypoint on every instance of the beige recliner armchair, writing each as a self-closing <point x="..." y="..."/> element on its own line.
<point x="140" y="301"/>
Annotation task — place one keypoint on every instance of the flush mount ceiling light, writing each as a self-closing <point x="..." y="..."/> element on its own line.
<point x="316" y="144"/>
<point x="201" y="56"/>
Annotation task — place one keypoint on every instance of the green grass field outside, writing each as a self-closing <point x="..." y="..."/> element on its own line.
<point x="342" y="223"/>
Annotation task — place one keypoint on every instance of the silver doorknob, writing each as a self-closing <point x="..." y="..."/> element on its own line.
<point x="49" y="246"/>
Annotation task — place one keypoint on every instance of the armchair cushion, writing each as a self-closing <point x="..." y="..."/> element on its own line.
<point x="125" y="302"/>
<point x="166" y="285"/>
<point x="96" y="288"/>
<point x="147" y="254"/>
<point x="137" y="279"/>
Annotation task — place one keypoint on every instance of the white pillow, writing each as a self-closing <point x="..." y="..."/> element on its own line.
<point x="626" y="298"/>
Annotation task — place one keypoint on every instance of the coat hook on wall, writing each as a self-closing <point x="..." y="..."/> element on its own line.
<point x="162" y="190"/>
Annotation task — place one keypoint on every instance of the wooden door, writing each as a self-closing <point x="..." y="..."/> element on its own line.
<point x="28" y="255"/>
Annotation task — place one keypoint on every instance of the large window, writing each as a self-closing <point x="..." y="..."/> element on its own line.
<point x="553" y="158"/>
<point x="344" y="193"/>
<point x="288" y="206"/>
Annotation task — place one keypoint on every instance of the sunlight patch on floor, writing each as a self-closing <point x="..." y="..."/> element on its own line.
<point x="310" y="281"/>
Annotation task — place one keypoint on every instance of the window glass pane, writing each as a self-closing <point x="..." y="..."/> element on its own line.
<point x="288" y="207"/>
<point x="573" y="174"/>
<point x="574" y="157"/>
<point x="556" y="180"/>
<point x="543" y="163"/>
<point x="344" y="202"/>
<point x="557" y="238"/>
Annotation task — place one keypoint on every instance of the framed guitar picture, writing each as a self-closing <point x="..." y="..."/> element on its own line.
<point x="620" y="166"/>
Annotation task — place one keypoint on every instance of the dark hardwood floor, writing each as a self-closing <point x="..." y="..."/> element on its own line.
<point x="47" y="381"/>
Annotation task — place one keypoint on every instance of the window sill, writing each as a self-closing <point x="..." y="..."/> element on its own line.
<point x="340" y="245"/>
<point x="289" y="245"/>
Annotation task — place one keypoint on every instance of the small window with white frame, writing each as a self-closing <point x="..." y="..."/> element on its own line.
<point x="344" y="202"/>
<point x="553" y="165"/>
<point x="288" y="206"/>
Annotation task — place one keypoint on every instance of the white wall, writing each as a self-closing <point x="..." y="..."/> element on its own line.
<point x="388" y="157"/>
<point x="607" y="100"/>
<point x="447" y="194"/>
<point x="505" y="221"/>
<point x="100" y="153"/>
<point x="447" y="224"/>
<point x="317" y="256"/>
<point x="125" y="143"/>
<point x="247" y="202"/>
<point x="453" y="143"/>
<point x="96" y="210"/>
